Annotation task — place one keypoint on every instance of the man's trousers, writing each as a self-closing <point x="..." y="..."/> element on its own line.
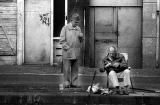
<point x="113" y="76"/>
<point x="70" y="71"/>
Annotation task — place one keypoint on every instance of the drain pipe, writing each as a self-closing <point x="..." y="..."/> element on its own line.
<point x="157" y="44"/>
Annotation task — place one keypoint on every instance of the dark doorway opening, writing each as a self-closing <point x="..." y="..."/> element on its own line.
<point x="59" y="16"/>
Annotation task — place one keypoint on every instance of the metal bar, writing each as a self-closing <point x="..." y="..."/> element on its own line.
<point x="157" y="44"/>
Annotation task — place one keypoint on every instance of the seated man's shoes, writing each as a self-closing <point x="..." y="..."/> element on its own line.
<point x="117" y="92"/>
<point x="120" y="92"/>
<point x="125" y="91"/>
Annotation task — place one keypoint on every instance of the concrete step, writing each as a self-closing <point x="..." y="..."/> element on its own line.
<point x="134" y="72"/>
<point x="52" y="81"/>
<point x="47" y="69"/>
<point x="44" y="75"/>
<point x="39" y="85"/>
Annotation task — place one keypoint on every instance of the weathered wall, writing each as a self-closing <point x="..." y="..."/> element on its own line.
<point x="149" y="33"/>
<point x="8" y="19"/>
<point x="37" y="36"/>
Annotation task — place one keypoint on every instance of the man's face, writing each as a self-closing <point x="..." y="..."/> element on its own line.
<point x="75" y="23"/>
<point x="113" y="54"/>
<point x="112" y="51"/>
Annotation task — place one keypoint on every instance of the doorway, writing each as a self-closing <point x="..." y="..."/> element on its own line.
<point x="118" y="26"/>
<point x="59" y="16"/>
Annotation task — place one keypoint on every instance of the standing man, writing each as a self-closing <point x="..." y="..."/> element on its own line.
<point x="116" y="66"/>
<point x="71" y="39"/>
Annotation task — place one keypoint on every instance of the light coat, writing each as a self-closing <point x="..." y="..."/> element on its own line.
<point x="71" y="38"/>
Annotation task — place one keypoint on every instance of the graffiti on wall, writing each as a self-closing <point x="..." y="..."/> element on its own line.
<point x="45" y="18"/>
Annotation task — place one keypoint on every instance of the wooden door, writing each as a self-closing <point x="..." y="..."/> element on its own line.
<point x="118" y="26"/>
<point x="130" y="34"/>
<point x="103" y="32"/>
<point x="37" y="32"/>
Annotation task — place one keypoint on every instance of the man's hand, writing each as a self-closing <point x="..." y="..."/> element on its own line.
<point x="107" y="65"/>
<point x="116" y="64"/>
<point x="65" y="47"/>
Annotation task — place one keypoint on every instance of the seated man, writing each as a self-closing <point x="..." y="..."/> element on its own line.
<point x="116" y="66"/>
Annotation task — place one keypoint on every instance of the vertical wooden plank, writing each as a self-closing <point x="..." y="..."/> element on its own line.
<point x="130" y="32"/>
<point x="86" y="55"/>
<point x="105" y="32"/>
<point x="52" y="30"/>
<point x="158" y="38"/>
<point x="20" y="32"/>
<point x="91" y="45"/>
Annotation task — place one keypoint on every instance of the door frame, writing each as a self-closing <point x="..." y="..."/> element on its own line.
<point x="21" y="29"/>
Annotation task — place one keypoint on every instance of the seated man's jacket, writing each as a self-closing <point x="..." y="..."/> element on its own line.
<point x="119" y="58"/>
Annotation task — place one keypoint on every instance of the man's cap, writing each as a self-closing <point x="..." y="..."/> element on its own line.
<point x="112" y="49"/>
<point x="75" y="17"/>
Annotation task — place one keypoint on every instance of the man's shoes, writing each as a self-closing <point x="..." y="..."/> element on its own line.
<point x="120" y="92"/>
<point x="117" y="91"/>
<point x="74" y="86"/>
<point x="125" y="92"/>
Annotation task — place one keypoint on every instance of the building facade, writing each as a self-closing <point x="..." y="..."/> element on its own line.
<point x="30" y="30"/>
